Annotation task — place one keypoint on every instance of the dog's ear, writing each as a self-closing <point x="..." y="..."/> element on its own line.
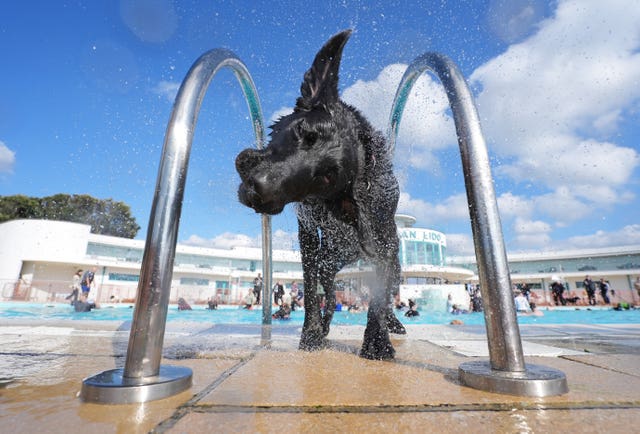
<point x="320" y="85"/>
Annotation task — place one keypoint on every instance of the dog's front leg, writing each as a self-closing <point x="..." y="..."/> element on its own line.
<point x="393" y="284"/>
<point x="312" y="337"/>
<point x="329" y="267"/>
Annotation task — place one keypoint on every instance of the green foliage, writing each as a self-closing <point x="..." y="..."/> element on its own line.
<point x="105" y="216"/>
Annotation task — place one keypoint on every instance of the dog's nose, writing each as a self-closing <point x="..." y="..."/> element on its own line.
<point x="246" y="161"/>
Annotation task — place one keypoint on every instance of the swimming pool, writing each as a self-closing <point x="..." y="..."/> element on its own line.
<point x="235" y="315"/>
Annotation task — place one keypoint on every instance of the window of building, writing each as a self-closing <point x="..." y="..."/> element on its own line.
<point x="122" y="277"/>
<point x="194" y="281"/>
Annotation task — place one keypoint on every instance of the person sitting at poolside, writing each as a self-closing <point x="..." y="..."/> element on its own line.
<point x="522" y="305"/>
<point x="456" y="310"/>
<point x="622" y="306"/>
<point x="83" y="304"/>
<point x="338" y="307"/>
<point x="533" y="312"/>
<point x="413" y="309"/>
<point x="283" y="313"/>
<point x="249" y="300"/>
<point x="183" y="305"/>
<point x="212" y="303"/>
<point x="450" y="304"/>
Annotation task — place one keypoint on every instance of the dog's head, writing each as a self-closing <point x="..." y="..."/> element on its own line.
<point x="311" y="152"/>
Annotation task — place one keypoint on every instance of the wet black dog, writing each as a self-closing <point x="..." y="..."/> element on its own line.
<point x="328" y="158"/>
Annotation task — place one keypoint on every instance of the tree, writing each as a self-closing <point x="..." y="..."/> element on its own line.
<point x="19" y="207"/>
<point x="105" y="216"/>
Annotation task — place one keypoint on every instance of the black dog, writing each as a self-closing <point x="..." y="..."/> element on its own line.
<point x="328" y="158"/>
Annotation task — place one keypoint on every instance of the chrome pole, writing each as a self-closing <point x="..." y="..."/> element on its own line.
<point x="143" y="378"/>
<point x="506" y="372"/>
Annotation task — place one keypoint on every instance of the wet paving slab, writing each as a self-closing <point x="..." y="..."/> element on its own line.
<point x="246" y="380"/>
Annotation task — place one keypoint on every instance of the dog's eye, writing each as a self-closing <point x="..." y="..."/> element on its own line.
<point x="306" y="137"/>
<point x="310" y="137"/>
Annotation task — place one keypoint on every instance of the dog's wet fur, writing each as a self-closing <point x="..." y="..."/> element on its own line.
<point x="326" y="157"/>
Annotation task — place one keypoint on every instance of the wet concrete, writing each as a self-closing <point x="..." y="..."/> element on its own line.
<point x="243" y="382"/>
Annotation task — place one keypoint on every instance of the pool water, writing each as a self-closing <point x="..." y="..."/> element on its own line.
<point x="235" y="315"/>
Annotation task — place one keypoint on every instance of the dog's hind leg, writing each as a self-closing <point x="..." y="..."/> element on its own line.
<point x="336" y="252"/>
<point x="312" y="337"/>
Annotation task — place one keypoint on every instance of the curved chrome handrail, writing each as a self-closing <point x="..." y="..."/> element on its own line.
<point x="142" y="378"/>
<point x="503" y="335"/>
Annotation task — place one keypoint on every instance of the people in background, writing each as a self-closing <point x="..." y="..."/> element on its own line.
<point x="413" y="309"/>
<point x="278" y="293"/>
<point x="526" y="291"/>
<point x="450" y="303"/>
<point x="212" y="303"/>
<point x="590" y="288"/>
<point x="83" y="304"/>
<point x="476" y="301"/>
<point x="604" y="290"/>
<point x="522" y="304"/>
<point x="338" y="305"/>
<point x="557" y="291"/>
<point x="284" y="312"/>
<point x="183" y="305"/>
<point x="75" y="287"/>
<point x="257" y="288"/>
<point x="294" y="295"/>
<point x="87" y="280"/>
<point x="249" y="299"/>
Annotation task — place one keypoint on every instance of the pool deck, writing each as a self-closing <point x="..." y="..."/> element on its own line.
<point x="245" y="383"/>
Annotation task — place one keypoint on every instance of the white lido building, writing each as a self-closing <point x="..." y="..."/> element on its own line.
<point x="39" y="257"/>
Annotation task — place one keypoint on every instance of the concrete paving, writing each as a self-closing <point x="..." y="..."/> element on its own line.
<point x="244" y="382"/>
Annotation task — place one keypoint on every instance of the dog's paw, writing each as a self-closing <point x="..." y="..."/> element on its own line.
<point x="394" y="325"/>
<point x="312" y="341"/>
<point x="378" y="351"/>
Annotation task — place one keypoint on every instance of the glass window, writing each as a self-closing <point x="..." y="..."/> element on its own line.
<point x="194" y="281"/>
<point x="122" y="277"/>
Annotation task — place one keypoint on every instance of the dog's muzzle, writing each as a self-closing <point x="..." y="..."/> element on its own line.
<point x="256" y="191"/>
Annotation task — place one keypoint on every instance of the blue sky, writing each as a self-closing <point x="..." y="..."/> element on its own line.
<point x="87" y="89"/>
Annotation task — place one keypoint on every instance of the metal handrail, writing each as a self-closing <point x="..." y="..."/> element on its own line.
<point x="143" y="378"/>
<point x="506" y="371"/>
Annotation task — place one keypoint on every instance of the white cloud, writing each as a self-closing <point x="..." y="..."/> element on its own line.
<point x="452" y="208"/>
<point x="226" y="240"/>
<point x="530" y="234"/>
<point x="281" y="112"/>
<point x="550" y="107"/>
<point x="167" y="89"/>
<point x="460" y="245"/>
<point x="547" y="102"/>
<point x="280" y="240"/>
<point x="511" y="206"/>
<point x="510" y="20"/>
<point x="628" y="235"/>
<point x="425" y="126"/>
<point x="7" y="158"/>
<point x="150" y="20"/>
